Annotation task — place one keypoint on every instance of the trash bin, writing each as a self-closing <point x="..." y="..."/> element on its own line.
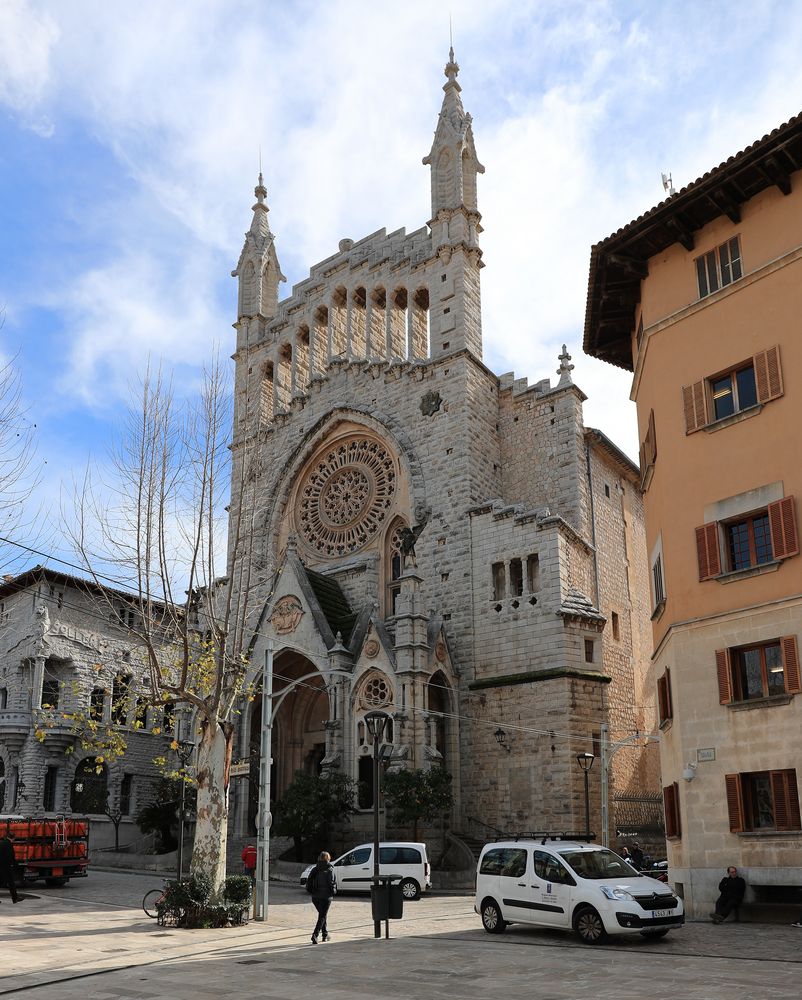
<point x="387" y="901"/>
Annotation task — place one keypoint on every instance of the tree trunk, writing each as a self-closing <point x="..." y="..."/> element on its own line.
<point x="211" y="827"/>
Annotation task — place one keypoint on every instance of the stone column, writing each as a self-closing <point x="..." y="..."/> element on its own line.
<point x="348" y="322"/>
<point x="368" y="324"/>
<point x="37" y="682"/>
<point x="388" y="329"/>
<point x="293" y="365"/>
<point x="329" y="333"/>
<point x="410" y="328"/>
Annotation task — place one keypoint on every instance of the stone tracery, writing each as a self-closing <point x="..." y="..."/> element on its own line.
<point x="345" y="495"/>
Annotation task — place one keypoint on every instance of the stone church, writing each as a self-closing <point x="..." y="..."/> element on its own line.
<point x="458" y="546"/>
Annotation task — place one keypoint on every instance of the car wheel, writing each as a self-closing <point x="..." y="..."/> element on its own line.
<point x="589" y="926"/>
<point x="410" y="889"/>
<point x="655" y="934"/>
<point x="492" y="921"/>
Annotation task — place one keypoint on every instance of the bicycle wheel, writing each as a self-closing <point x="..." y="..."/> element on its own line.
<point x="150" y="901"/>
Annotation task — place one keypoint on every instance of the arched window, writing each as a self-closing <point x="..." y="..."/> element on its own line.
<point x="439" y="704"/>
<point x="395" y="564"/>
<point x="90" y="787"/>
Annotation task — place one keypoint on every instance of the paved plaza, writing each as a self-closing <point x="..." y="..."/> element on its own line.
<point x="91" y="940"/>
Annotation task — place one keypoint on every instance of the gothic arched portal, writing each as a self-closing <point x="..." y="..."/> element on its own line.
<point x="299" y="736"/>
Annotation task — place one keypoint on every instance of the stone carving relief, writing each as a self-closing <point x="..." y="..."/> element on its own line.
<point x="440" y="651"/>
<point x="371" y="648"/>
<point x="430" y="403"/>
<point x="345" y="496"/>
<point x="286" y="614"/>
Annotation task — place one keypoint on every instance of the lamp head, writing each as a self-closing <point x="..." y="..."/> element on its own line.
<point x="376" y="723"/>
<point x="689" y="771"/>
<point x="585" y="760"/>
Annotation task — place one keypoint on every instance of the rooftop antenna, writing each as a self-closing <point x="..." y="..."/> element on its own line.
<point x="668" y="184"/>
<point x="260" y="158"/>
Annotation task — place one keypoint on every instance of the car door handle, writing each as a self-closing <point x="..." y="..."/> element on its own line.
<point x="522" y="885"/>
<point x="534" y="886"/>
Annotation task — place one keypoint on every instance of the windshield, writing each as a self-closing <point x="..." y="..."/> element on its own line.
<point x="599" y="864"/>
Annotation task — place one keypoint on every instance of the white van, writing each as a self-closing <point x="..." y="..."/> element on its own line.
<point x="354" y="870"/>
<point x="571" y="885"/>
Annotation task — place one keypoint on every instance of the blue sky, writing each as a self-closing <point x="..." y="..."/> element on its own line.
<point x="130" y="136"/>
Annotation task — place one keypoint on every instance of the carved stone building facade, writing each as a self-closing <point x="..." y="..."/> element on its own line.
<point x="69" y="654"/>
<point x="450" y="546"/>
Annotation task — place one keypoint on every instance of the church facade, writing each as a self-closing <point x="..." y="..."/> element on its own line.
<point x="429" y="539"/>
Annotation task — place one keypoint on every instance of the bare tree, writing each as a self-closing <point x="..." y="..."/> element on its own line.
<point x="18" y="475"/>
<point x="160" y="520"/>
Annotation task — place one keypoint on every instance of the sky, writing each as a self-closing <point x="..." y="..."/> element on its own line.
<point x="131" y="135"/>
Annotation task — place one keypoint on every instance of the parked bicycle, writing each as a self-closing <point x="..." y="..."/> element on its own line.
<point x="152" y="899"/>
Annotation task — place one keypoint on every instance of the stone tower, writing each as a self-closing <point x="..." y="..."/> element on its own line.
<point x="426" y="532"/>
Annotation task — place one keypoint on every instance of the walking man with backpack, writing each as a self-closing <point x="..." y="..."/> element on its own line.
<point x="322" y="887"/>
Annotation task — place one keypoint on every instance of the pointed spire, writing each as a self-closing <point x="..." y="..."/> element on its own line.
<point x="565" y="369"/>
<point x="259" y="224"/>
<point x="451" y="70"/>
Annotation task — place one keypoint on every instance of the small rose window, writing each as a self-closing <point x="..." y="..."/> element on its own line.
<point x="376" y="692"/>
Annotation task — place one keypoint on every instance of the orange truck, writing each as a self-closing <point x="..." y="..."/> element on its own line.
<point x="55" y="849"/>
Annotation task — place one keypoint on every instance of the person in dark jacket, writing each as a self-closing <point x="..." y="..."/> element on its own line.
<point x="731" y="893"/>
<point x="322" y="886"/>
<point x="7" y="865"/>
<point x="637" y="859"/>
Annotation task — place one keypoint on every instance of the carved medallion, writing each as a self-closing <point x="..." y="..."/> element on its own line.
<point x="430" y="403"/>
<point x="440" y="651"/>
<point x="345" y="495"/>
<point x="286" y="614"/>
<point x="372" y="648"/>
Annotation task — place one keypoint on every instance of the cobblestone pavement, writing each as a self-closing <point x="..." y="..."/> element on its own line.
<point x="91" y="940"/>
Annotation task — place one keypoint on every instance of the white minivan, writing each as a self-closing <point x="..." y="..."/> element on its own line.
<point x="571" y="885"/>
<point x="354" y="870"/>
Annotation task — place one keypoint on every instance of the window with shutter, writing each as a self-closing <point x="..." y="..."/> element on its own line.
<point x="763" y="801"/>
<point x="782" y="523"/>
<point x="790" y="654"/>
<point x="665" y="707"/>
<point x="724" y="674"/>
<point x="735" y="806"/>
<point x="671" y="809"/>
<point x="707" y="550"/>
<point x="694" y="405"/>
<point x="768" y="374"/>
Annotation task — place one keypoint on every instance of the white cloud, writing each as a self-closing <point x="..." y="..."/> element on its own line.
<point x="578" y="108"/>
<point x="28" y="36"/>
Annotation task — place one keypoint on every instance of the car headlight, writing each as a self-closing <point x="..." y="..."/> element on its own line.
<point x="616" y="893"/>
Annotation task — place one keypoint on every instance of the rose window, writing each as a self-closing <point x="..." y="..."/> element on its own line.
<point x="345" y="495"/>
<point x="376" y="692"/>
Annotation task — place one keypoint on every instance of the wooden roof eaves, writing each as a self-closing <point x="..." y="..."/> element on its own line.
<point x="720" y="191"/>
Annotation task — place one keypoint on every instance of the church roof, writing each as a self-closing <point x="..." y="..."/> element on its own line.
<point x="333" y="603"/>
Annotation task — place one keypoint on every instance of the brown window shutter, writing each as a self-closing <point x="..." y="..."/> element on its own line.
<point x="651" y="438"/>
<point x="724" y="672"/>
<point x="791" y="664"/>
<point x="662" y="699"/>
<point x="668" y="808"/>
<point x="768" y="374"/>
<point x="735" y="805"/>
<point x="669" y="699"/>
<point x="794" y="818"/>
<point x="644" y="466"/>
<point x="780" y="794"/>
<point x="677" y="820"/>
<point x="693" y="398"/>
<point x="707" y="550"/>
<point x="782" y="521"/>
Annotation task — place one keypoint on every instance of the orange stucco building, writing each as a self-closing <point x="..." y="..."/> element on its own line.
<point x="701" y="298"/>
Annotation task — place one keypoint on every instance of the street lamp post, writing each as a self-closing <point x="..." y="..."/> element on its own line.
<point x="184" y="751"/>
<point x="585" y="761"/>
<point x="263" y="818"/>
<point x="376" y="722"/>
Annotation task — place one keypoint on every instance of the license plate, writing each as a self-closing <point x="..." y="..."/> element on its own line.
<point x="57" y="871"/>
<point x="661" y="913"/>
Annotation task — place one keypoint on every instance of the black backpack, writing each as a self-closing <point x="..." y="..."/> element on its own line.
<point x="311" y="882"/>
